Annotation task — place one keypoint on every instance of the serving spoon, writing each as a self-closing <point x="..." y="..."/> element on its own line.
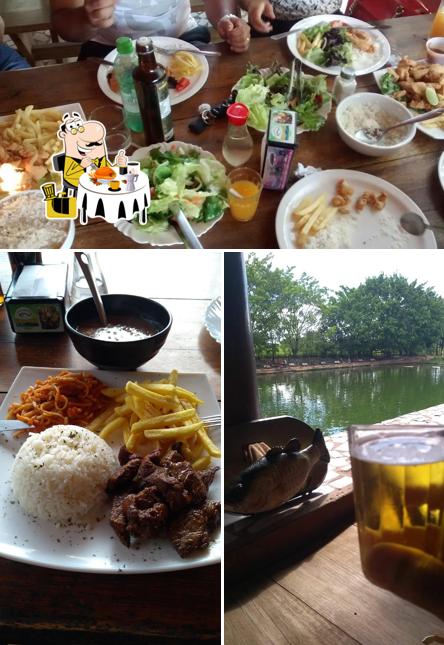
<point x="415" y="225"/>
<point x="86" y="266"/>
<point x="374" y="135"/>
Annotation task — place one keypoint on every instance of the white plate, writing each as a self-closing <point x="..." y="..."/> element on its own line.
<point x="324" y="111"/>
<point x="435" y="133"/>
<point x="196" y="82"/>
<point x="441" y="170"/>
<point x="378" y="60"/>
<point x="95" y="549"/>
<point x="213" y="319"/>
<point x="368" y="234"/>
<point x="168" y="237"/>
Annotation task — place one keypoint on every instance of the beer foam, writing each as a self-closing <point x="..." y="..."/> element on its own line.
<point x="401" y="450"/>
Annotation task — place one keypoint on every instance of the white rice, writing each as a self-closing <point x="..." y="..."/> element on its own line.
<point x="61" y="473"/>
<point x="23" y="224"/>
<point x="366" y="115"/>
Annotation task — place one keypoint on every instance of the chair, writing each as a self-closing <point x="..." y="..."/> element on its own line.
<point x="384" y="9"/>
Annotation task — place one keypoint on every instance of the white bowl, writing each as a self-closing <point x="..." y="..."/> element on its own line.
<point x="389" y="105"/>
<point x="70" y="230"/>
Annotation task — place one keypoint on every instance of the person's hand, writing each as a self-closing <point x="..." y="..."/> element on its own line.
<point x="86" y="161"/>
<point x="236" y="32"/>
<point x="121" y="158"/>
<point x="257" y="9"/>
<point x="100" y="13"/>
<point x="409" y="573"/>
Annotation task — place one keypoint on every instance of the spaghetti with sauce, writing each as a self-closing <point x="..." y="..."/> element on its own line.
<point x="66" y="398"/>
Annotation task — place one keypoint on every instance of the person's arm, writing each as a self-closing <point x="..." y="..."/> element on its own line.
<point x="79" y="20"/>
<point x="224" y="16"/>
<point x="2" y="29"/>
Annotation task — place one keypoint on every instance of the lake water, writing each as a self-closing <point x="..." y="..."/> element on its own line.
<point x="333" y="399"/>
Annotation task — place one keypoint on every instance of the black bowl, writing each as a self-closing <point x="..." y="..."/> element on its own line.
<point x="119" y="355"/>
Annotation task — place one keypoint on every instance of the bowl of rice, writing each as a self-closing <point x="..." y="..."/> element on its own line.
<point x="23" y="224"/>
<point x="60" y="474"/>
<point x="370" y="110"/>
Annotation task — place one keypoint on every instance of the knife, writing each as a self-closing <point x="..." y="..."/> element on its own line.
<point x="11" y="425"/>
<point x="290" y="86"/>
<point x="296" y="31"/>
<point x="185" y="230"/>
<point x="299" y="80"/>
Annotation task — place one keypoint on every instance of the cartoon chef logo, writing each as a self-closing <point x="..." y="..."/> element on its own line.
<point x="89" y="179"/>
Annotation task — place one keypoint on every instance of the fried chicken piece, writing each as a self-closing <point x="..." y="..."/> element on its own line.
<point x="192" y="528"/>
<point x="362" y="40"/>
<point x="338" y="200"/>
<point x="362" y="201"/>
<point x="343" y="188"/>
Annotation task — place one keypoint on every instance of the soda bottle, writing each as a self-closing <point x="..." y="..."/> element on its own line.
<point x="152" y="93"/>
<point x="124" y="65"/>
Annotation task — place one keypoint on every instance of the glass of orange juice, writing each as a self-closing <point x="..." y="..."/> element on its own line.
<point x="244" y="191"/>
<point x="438" y="22"/>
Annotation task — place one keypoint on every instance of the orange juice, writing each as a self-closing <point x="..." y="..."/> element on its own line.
<point x="243" y="208"/>
<point x="438" y="23"/>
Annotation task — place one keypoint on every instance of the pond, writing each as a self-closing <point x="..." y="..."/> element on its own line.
<point x="332" y="399"/>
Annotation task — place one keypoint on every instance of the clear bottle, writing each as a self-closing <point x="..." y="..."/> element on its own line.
<point x="237" y="147"/>
<point x="124" y="65"/>
<point x="153" y="95"/>
<point x="344" y="85"/>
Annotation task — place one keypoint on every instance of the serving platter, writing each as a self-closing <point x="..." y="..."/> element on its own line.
<point x="196" y="82"/>
<point x="168" y="237"/>
<point x="93" y="548"/>
<point x="368" y="232"/>
<point x="376" y="62"/>
<point x="434" y="133"/>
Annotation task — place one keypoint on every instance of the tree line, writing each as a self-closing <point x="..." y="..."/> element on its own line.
<point x="384" y="316"/>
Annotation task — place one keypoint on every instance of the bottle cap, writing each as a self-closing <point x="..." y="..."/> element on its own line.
<point x="238" y="113"/>
<point x="348" y="73"/>
<point x="144" y="44"/>
<point x="124" y="45"/>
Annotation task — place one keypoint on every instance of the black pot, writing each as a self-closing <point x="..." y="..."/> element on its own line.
<point x="119" y="355"/>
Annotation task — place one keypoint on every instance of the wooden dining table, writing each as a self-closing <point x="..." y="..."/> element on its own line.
<point x="49" y="606"/>
<point x="413" y="169"/>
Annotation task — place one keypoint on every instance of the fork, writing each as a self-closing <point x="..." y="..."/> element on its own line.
<point x="211" y="421"/>
<point x="169" y="52"/>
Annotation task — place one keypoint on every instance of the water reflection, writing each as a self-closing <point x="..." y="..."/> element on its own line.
<point x="333" y="399"/>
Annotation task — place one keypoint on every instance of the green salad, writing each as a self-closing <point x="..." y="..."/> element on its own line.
<point x="185" y="179"/>
<point x="327" y="45"/>
<point x="262" y="89"/>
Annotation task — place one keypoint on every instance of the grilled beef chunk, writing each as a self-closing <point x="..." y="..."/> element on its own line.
<point x="191" y="529"/>
<point x="123" y="476"/>
<point x="149" y="492"/>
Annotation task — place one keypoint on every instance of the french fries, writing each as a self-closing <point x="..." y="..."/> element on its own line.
<point x="151" y="415"/>
<point x="183" y="64"/>
<point x="28" y="139"/>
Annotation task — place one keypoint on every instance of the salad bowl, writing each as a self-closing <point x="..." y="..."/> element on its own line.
<point x="202" y="214"/>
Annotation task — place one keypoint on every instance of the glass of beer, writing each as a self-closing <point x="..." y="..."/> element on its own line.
<point x="398" y="481"/>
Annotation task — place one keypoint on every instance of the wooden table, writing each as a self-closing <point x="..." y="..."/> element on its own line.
<point x="413" y="169"/>
<point x="324" y="598"/>
<point x="47" y="606"/>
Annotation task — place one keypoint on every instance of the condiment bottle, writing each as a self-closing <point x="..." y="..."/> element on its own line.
<point x="237" y="147"/>
<point x="152" y="93"/>
<point x="344" y="85"/>
<point x="124" y="65"/>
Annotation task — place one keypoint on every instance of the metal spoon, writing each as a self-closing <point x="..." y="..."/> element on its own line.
<point x="374" y="135"/>
<point x="415" y="225"/>
<point x="86" y="266"/>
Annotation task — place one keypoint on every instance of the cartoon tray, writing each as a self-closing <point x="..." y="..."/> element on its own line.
<point x="97" y="200"/>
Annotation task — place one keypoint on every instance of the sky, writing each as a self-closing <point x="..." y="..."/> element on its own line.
<point x="334" y="268"/>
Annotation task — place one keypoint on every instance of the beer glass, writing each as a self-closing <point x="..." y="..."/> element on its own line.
<point x="398" y="481"/>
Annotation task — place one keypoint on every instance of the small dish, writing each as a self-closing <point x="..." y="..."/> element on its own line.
<point x="119" y="355"/>
<point x="435" y="50"/>
<point x="393" y="108"/>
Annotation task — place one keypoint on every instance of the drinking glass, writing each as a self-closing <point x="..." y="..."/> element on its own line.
<point x="118" y="136"/>
<point x="244" y="191"/>
<point x="80" y="288"/>
<point x="398" y="481"/>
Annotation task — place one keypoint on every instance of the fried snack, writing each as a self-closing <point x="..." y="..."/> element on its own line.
<point x="28" y="139"/>
<point x="154" y="415"/>
<point x="65" y="398"/>
<point x="311" y="216"/>
<point x="421" y="84"/>
<point x="183" y="65"/>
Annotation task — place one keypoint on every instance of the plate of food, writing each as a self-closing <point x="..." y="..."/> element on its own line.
<point x="119" y="475"/>
<point x="28" y="139"/>
<point x="260" y="89"/>
<point x="420" y="86"/>
<point x="327" y="43"/>
<point x="182" y="176"/>
<point x="213" y="320"/>
<point x="187" y="73"/>
<point x="347" y="209"/>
